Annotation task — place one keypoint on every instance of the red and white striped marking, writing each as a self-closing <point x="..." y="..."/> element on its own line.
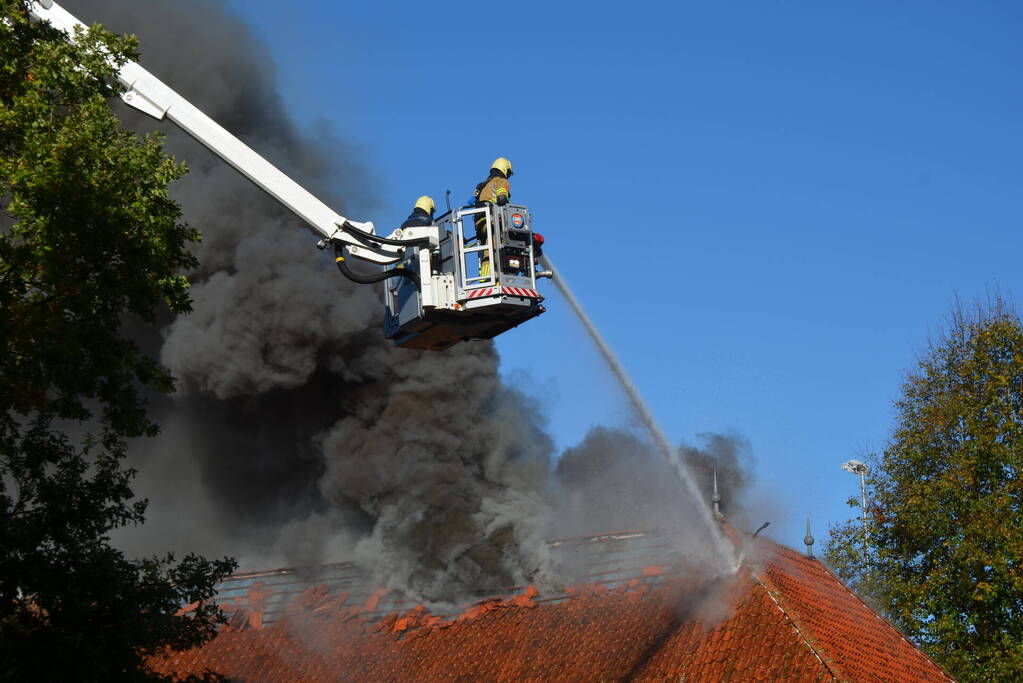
<point x="521" y="291"/>
<point x="494" y="291"/>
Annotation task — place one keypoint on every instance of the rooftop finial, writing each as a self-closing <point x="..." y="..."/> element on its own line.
<point x="716" y="498"/>
<point x="808" y="540"/>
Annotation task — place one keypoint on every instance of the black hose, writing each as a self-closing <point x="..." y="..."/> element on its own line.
<point x="419" y="241"/>
<point x="371" y="278"/>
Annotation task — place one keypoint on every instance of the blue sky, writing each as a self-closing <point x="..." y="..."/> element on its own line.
<point x="765" y="206"/>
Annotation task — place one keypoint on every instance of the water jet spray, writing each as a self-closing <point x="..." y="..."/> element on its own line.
<point x="669" y="451"/>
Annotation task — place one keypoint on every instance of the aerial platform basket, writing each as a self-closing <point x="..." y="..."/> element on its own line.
<point x="480" y="283"/>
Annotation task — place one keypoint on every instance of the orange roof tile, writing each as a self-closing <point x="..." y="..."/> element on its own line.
<point x="790" y="619"/>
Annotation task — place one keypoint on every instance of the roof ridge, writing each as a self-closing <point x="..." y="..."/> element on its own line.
<point x="804" y="631"/>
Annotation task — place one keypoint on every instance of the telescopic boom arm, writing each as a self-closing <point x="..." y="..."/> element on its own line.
<point x="147" y="93"/>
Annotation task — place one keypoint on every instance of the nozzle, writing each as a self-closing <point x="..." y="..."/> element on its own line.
<point x="549" y="274"/>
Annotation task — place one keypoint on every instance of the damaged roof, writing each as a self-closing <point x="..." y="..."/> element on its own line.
<point x="638" y="614"/>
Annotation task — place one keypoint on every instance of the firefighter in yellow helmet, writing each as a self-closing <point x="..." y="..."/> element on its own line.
<point x="422" y="213"/>
<point x="494" y="190"/>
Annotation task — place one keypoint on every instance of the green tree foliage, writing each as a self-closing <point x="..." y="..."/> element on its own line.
<point x="943" y="551"/>
<point x="89" y="239"/>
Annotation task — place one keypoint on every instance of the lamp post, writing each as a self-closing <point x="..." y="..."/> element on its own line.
<point x="857" y="467"/>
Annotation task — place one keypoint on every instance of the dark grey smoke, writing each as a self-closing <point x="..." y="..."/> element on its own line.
<point x="299" y="435"/>
<point x="236" y="455"/>
<point x="615" y="481"/>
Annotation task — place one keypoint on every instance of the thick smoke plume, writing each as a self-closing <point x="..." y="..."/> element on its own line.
<point x="614" y="480"/>
<point x="299" y="435"/>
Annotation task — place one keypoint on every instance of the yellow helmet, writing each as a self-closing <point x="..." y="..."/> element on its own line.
<point x="502" y="165"/>
<point x="425" y="203"/>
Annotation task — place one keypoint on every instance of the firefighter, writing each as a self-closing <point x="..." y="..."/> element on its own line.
<point x="494" y="190"/>
<point x="421" y="215"/>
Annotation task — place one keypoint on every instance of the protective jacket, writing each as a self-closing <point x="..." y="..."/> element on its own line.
<point x="418" y="217"/>
<point x="495" y="189"/>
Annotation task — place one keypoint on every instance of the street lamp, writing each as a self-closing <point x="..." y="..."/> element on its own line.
<point x="857" y="467"/>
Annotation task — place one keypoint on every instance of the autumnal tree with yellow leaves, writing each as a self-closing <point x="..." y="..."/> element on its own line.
<point x="941" y="554"/>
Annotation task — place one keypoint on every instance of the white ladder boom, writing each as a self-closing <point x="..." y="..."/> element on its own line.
<point x="147" y="93"/>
